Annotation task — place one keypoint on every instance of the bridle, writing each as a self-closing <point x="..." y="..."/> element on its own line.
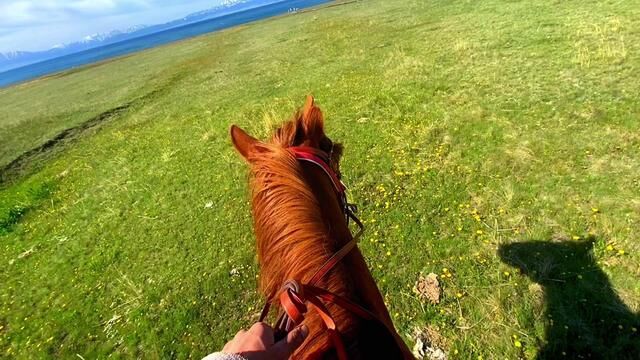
<point x="296" y="298"/>
<point x="319" y="158"/>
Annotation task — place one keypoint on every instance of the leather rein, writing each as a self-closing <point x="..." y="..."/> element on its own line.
<point x="296" y="299"/>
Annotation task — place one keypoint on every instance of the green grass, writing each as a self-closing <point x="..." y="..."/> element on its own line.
<point x="467" y="126"/>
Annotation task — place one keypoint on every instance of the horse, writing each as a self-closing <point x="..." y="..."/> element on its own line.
<point x="309" y="266"/>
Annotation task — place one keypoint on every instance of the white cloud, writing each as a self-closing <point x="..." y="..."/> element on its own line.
<point x="92" y="6"/>
<point x="19" y="13"/>
<point x="32" y="25"/>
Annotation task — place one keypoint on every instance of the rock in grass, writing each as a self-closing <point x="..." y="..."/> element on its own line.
<point x="428" y="288"/>
<point x="429" y="344"/>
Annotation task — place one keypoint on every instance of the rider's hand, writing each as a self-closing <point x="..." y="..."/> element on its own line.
<point x="258" y="343"/>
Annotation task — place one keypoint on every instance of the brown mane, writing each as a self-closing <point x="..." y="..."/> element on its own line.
<point x="287" y="219"/>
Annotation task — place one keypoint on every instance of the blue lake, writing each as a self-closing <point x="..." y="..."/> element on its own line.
<point x="32" y="71"/>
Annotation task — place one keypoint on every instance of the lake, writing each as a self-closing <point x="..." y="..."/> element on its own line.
<point x="85" y="57"/>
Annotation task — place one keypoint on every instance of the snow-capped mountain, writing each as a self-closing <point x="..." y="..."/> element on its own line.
<point x="15" y="59"/>
<point x="12" y="55"/>
<point x="102" y="37"/>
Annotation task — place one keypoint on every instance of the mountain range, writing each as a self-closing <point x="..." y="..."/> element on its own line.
<point x="16" y="59"/>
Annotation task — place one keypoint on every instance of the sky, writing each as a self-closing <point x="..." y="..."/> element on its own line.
<point x="33" y="25"/>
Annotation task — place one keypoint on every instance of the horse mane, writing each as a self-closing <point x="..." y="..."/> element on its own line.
<point x="288" y="223"/>
<point x="293" y="240"/>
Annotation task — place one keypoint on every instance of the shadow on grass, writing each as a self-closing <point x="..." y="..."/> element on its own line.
<point x="585" y="317"/>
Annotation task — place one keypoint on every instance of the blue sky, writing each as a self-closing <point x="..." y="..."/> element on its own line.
<point x="31" y="25"/>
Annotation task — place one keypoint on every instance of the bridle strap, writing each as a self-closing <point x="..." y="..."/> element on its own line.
<point x="319" y="158"/>
<point x="340" y="254"/>
<point x="328" y="265"/>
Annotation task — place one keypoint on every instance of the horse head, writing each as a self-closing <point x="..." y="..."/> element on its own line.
<point x="299" y="220"/>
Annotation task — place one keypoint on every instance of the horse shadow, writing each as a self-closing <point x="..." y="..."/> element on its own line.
<point x="585" y="317"/>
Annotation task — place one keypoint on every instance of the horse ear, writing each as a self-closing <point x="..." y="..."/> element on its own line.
<point x="312" y="121"/>
<point x="308" y="104"/>
<point x="243" y="142"/>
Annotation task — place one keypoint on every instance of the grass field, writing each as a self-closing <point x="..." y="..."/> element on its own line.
<point x="488" y="142"/>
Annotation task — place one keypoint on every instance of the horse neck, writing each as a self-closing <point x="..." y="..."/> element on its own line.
<point x="298" y="227"/>
<point x="365" y="291"/>
<point x="350" y="278"/>
<point x="330" y="207"/>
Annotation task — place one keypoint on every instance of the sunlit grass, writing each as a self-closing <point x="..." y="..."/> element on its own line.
<point x="466" y="126"/>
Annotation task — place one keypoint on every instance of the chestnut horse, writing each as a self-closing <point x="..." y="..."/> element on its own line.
<point x="299" y="222"/>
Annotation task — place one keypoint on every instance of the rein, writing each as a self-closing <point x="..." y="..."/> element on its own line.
<point x="295" y="298"/>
